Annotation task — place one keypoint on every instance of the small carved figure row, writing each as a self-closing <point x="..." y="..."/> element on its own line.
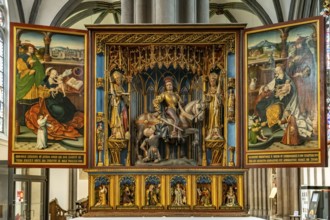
<point x="166" y="192"/>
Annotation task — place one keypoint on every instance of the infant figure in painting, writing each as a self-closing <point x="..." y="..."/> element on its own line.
<point x="60" y="86"/>
<point x="283" y="90"/>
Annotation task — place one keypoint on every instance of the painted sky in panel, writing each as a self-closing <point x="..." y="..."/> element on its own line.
<point x="58" y="40"/>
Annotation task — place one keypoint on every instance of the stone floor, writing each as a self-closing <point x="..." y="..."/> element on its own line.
<point x="27" y="140"/>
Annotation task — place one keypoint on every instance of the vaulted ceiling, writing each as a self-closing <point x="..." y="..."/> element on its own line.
<point x="75" y="13"/>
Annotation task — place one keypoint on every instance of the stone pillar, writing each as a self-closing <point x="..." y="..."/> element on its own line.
<point x="255" y="192"/>
<point x="280" y="196"/>
<point x="165" y="11"/>
<point x="186" y="11"/>
<point x="250" y="191"/>
<point x="294" y="189"/>
<point x="142" y="10"/>
<point x="259" y="193"/>
<point x="264" y="193"/>
<point x="287" y="192"/>
<point x="203" y="10"/>
<point x="127" y="11"/>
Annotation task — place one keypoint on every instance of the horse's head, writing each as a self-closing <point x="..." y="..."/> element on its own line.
<point x="199" y="111"/>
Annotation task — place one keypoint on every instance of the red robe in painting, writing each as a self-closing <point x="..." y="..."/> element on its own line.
<point x="291" y="134"/>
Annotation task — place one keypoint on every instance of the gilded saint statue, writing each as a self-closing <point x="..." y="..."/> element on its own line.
<point x="230" y="197"/>
<point x="172" y="101"/>
<point x="214" y="98"/>
<point x="119" y="107"/>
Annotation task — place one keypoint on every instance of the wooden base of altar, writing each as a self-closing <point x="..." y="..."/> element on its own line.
<point x="193" y="184"/>
<point x="171" y="213"/>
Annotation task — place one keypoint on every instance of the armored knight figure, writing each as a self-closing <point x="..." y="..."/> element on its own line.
<point x="172" y="100"/>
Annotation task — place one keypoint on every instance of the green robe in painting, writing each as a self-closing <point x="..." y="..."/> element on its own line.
<point x="27" y="83"/>
<point x="253" y="134"/>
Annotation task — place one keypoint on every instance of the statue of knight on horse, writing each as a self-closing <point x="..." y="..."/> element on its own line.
<point x="171" y="121"/>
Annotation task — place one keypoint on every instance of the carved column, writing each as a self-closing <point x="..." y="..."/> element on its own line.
<point x="47" y="40"/>
<point x="204" y="162"/>
<point x="186" y="10"/>
<point x="165" y="11"/>
<point x="284" y="37"/>
<point x="127" y="11"/>
<point x="203" y="10"/>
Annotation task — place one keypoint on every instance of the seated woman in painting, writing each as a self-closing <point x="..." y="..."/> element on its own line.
<point x="269" y="107"/>
<point x="63" y="115"/>
<point x="284" y="96"/>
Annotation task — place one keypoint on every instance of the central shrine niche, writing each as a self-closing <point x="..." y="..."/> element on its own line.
<point x="176" y="105"/>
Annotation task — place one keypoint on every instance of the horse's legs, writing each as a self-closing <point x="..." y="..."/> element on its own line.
<point x="167" y="151"/>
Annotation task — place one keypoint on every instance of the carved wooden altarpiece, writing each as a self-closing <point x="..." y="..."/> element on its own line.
<point x="142" y="160"/>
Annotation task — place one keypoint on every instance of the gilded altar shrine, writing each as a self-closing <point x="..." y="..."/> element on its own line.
<point x="165" y="121"/>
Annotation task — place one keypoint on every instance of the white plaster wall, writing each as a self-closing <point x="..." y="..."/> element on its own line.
<point x="59" y="186"/>
<point x="48" y="10"/>
<point x="13" y="12"/>
<point x="27" y="5"/>
<point x="3" y="149"/>
<point x="285" y="5"/>
<point x="82" y="184"/>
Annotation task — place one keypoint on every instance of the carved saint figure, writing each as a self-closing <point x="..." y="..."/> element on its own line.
<point x="231" y="105"/>
<point x="103" y="191"/>
<point x="172" y="100"/>
<point x="205" y="196"/>
<point x="128" y="196"/>
<point x="179" y="195"/>
<point x="213" y="96"/>
<point x="230" y="197"/>
<point x="119" y="110"/>
<point x="152" y="195"/>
